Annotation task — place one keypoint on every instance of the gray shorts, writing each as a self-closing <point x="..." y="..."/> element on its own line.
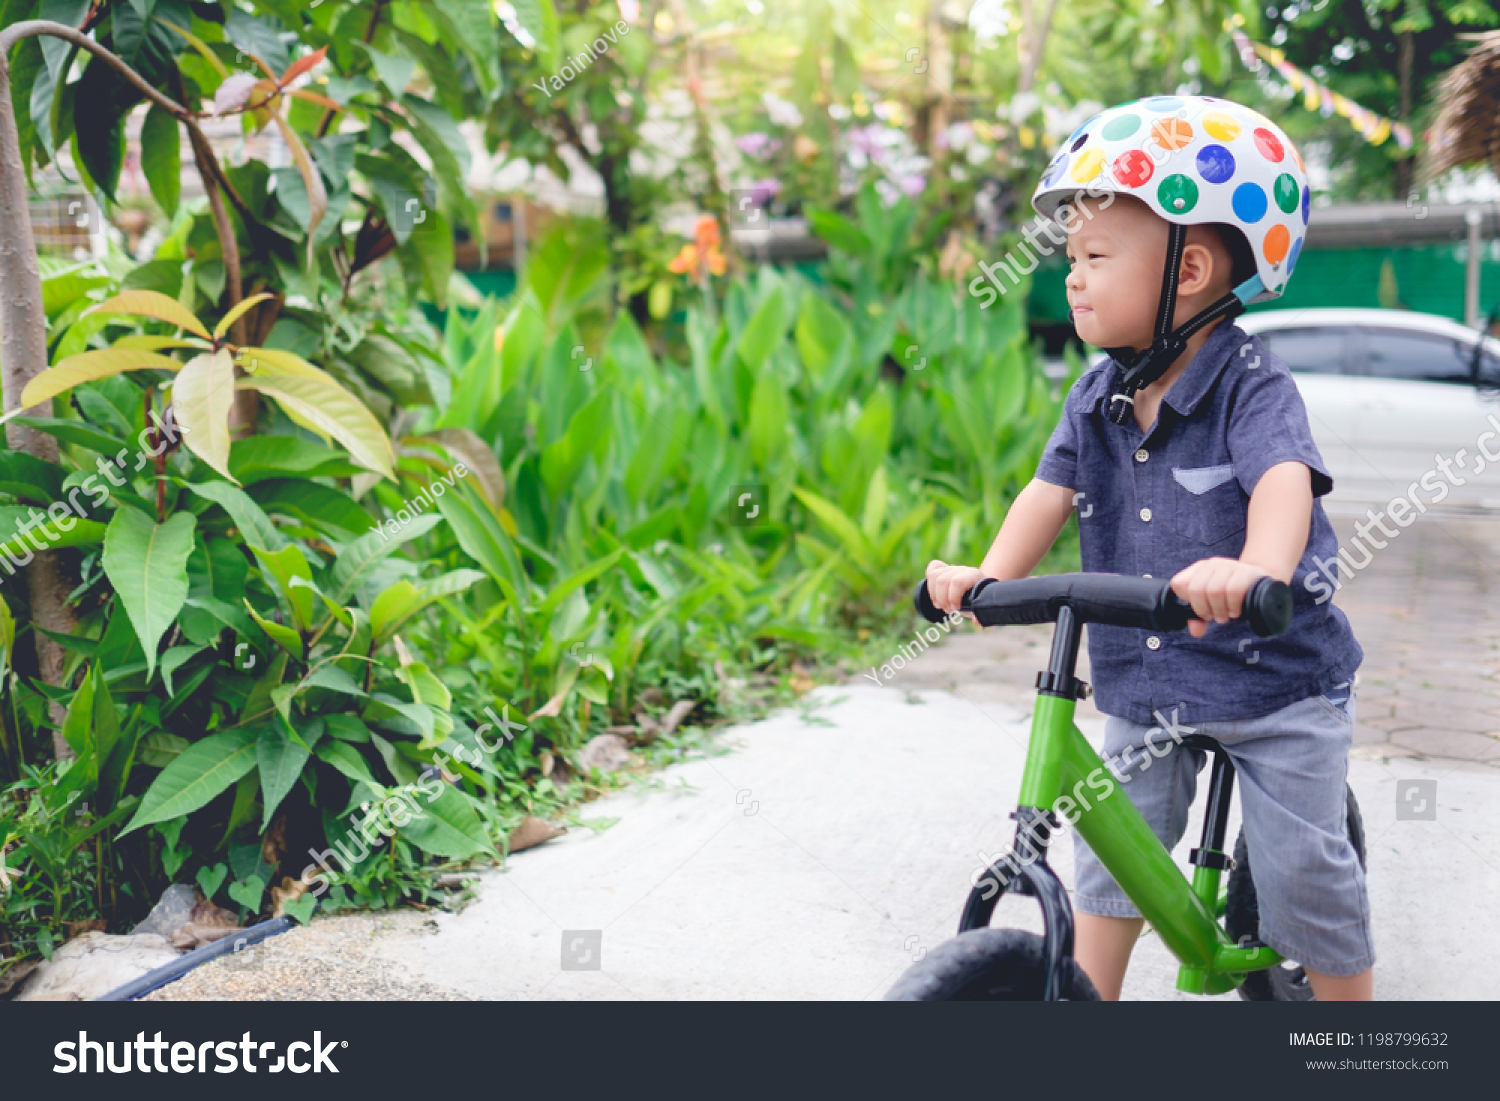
<point x="1290" y="769"/>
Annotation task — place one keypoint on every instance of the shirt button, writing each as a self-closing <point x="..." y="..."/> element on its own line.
<point x="1153" y="643"/>
<point x="1145" y="514"/>
<point x="1141" y="455"/>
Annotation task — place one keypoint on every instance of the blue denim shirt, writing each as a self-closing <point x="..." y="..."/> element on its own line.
<point x="1151" y="505"/>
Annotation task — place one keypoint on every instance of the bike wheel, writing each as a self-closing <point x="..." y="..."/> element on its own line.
<point x="988" y="965"/>
<point x="1286" y="982"/>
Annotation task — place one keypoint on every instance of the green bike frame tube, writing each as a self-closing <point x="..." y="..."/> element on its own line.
<point x="1060" y="762"/>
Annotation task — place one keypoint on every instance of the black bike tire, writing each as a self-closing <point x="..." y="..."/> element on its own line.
<point x="988" y="965"/>
<point x="1281" y="983"/>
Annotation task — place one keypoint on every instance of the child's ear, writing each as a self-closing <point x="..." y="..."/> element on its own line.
<point x="1197" y="270"/>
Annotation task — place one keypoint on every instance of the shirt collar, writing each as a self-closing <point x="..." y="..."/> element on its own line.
<point x="1195" y="382"/>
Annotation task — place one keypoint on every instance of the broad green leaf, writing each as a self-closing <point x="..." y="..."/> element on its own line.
<point x="253" y="524"/>
<point x="321" y="405"/>
<point x="333" y="679"/>
<point x="80" y="433"/>
<point x="538" y="18"/>
<point x="449" y="826"/>
<point x="283" y="636"/>
<point x="348" y="760"/>
<point x="838" y="231"/>
<point x="425" y="686"/>
<point x="7" y="639"/>
<point x="763" y="331"/>
<point x="153" y="304"/>
<point x="203" y="395"/>
<point x="287" y="566"/>
<point x="401" y="601"/>
<point x="173" y="659"/>
<point x="483" y="539"/>
<point x="147" y="565"/>
<point x="319" y="506"/>
<point x="161" y="159"/>
<point x="281" y="759"/>
<point x="89" y="367"/>
<point x="30" y="478"/>
<point x="768" y="420"/>
<point x="853" y="541"/>
<point x="354" y="564"/>
<point x="258" y="458"/>
<point x="196" y="775"/>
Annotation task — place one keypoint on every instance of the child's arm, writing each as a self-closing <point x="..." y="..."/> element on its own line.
<point x="1276" y="531"/>
<point x="1027" y="533"/>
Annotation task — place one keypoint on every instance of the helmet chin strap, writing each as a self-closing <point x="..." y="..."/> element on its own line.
<point x="1137" y="370"/>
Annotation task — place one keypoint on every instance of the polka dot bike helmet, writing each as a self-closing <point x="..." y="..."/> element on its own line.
<point x="1192" y="160"/>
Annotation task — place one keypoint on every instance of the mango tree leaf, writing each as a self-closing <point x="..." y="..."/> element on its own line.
<point x="203" y="395"/>
<point x="348" y="760"/>
<point x="353" y="566"/>
<point x="283" y="636"/>
<point x="146" y="303"/>
<point x="281" y="759"/>
<point x="90" y="367"/>
<point x="161" y="158"/>
<point x="147" y="565"/>
<point x="253" y="524"/>
<point x="325" y="407"/>
<point x="196" y="775"/>
<point x="29" y="478"/>
<point x="449" y="826"/>
<point x="80" y="433"/>
<point x="763" y="331"/>
<point x="258" y="458"/>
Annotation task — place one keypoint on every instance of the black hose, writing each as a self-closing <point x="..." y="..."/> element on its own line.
<point x="170" y="972"/>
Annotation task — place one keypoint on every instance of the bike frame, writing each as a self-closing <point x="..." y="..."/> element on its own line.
<point x="1061" y="763"/>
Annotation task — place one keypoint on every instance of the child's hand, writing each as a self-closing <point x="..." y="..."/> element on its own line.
<point x="947" y="584"/>
<point x="1215" y="587"/>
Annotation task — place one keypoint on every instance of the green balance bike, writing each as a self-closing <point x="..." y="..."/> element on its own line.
<point x="990" y="964"/>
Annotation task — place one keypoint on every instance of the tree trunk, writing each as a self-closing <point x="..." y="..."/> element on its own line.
<point x="1403" y="78"/>
<point x="23" y="350"/>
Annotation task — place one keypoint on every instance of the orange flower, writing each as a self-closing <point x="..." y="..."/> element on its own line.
<point x="703" y="254"/>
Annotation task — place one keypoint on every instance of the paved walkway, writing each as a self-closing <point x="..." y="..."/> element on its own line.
<point x="818" y="859"/>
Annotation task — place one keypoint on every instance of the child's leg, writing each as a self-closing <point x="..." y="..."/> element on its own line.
<point x="1327" y="988"/>
<point x="1314" y="907"/>
<point x="1102" y="947"/>
<point x="1106" y="923"/>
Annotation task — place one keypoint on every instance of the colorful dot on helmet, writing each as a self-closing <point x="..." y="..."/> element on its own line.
<point x="1087" y="166"/>
<point x="1171" y="133"/>
<point x="1163" y="103"/>
<point x="1269" y="145"/>
<point x="1288" y="194"/>
<point x="1078" y="142"/>
<point x="1121" y="126"/>
<point x="1083" y="128"/>
<point x="1215" y="163"/>
<point x="1177" y="194"/>
<point x="1291" y="261"/>
<point x="1306" y="202"/>
<point x="1221" y="126"/>
<point x="1249" y="203"/>
<point x="1275" y="245"/>
<point x="1132" y="168"/>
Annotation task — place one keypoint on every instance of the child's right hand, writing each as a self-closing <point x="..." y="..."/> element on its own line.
<point x="947" y="584"/>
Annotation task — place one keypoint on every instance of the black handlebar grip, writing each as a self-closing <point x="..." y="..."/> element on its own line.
<point x="1268" y="606"/>
<point x="925" y="607"/>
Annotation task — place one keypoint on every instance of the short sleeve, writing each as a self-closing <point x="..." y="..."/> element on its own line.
<point x="1268" y="425"/>
<point x="1059" y="462"/>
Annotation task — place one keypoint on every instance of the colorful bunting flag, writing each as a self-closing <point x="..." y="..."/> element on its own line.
<point x="1315" y="96"/>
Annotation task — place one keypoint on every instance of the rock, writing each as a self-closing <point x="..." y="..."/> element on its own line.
<point x="193" y="935"/>
<point x="531" y="831"/>
<point x="95" y="964"/>
<point x="172" y="911"/>
<point x="606" y="752"/>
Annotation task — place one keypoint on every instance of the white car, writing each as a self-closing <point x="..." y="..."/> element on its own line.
<point x="1394" y="398"/>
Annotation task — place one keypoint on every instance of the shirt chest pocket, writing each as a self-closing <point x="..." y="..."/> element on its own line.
<point x="1206" y="503"/>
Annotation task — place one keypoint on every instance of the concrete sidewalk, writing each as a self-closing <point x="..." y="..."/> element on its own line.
<point x="817" y="861"/>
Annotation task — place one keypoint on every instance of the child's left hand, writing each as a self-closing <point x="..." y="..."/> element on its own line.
<point x="1216" y="589"/>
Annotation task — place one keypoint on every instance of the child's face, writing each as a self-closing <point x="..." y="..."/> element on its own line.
<point x="1117" y="250"/>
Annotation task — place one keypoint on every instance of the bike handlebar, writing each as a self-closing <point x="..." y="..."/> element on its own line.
<point x="1115" y="599"/>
